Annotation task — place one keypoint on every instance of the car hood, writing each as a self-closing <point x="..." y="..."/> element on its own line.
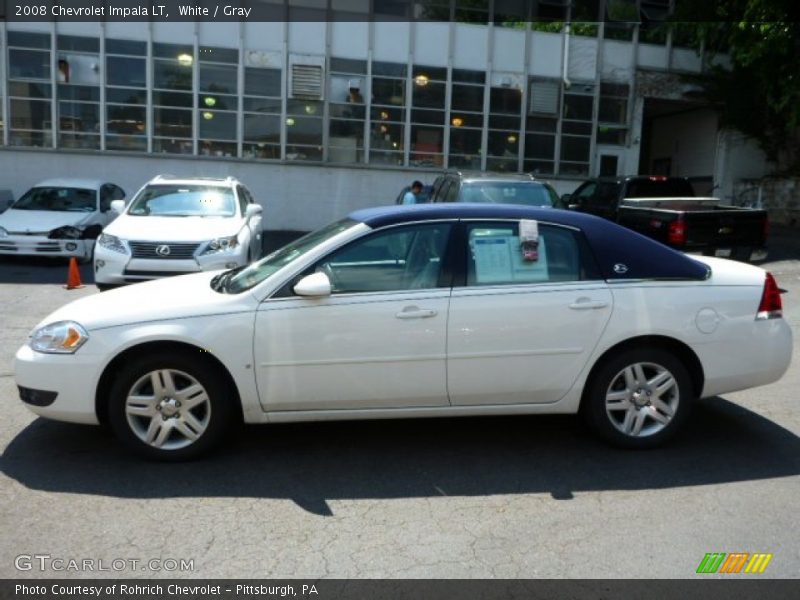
<point x="40" y="220"/>
<point x="173" y="229"/>
<point x="162" y="299"/>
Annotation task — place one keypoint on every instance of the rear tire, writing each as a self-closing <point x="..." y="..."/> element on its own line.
<point x="170" y="407"/>
<point x="639" y="398"/>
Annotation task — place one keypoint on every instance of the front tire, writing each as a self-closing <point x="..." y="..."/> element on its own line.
<point x="170" y="407"/>
<point x="638" y="399"/>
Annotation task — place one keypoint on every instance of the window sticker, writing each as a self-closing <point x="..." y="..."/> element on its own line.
<point x="498" y="260"/>
<point x="529" y="239"/>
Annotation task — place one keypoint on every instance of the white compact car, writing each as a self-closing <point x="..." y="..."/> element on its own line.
<point x="59" y="217"/>
<point x="178" y="226"/>
<point x="416" y="311"/>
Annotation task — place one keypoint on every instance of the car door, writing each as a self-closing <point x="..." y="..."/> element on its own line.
<point x="379" y="339"/>
<point x="605" y="200"/>
<point x="520" y="331"/>
<point x="253" y="224"/>
<point x="108" y="193"/>
<point x="435" y="189"/>
<point x="580" y="199"/>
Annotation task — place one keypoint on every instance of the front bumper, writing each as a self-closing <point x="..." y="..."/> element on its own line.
<point x="71" y="376"/>
<point x="115" y="268"/>
<point x="35" y="245"/>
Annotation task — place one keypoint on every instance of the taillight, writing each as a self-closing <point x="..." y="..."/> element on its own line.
<point x="676" y="234"/>
<point x="771" y="306"/>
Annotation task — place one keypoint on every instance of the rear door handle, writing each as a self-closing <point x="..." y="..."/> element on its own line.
<point x="587" y="304"/>
<point x="412" y="312"/>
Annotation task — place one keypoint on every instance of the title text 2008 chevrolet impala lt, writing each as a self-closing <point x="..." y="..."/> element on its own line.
<point x="421" y="311"/>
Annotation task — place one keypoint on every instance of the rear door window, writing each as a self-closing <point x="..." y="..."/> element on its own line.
<point x="495" y="257"/>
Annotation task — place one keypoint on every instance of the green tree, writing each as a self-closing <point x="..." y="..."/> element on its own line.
<point x="758" y="92"/>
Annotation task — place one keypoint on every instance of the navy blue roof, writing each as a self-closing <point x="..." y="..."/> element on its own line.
<point x="620" y="252"/>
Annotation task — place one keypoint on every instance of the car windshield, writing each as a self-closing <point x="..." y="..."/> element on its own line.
<point x="62" y="199"/>
<point x="239" y="280"/>
<point x="183" y="201"/>
<point x="499" y="192"/>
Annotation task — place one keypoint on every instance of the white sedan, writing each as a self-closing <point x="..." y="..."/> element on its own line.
<point x="177" y="226"/>
<point x="58" y="217"/>
<point x="422" y="311"/>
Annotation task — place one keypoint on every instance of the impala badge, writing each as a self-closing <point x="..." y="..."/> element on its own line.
<point x="620" y="269"/>
<point x="163" y="250"/>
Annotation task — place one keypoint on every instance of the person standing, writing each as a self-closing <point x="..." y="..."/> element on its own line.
<point x="412" y="195"/>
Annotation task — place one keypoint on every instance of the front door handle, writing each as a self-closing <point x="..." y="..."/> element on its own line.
<point x="413" y="312"/>
<point x="587" y="304"/>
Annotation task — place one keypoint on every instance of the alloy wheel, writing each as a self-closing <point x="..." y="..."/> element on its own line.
<point x="642" y="399"/>
<point x="168" y="409"/>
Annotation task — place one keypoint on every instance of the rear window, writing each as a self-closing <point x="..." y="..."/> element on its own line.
<point x="498" y="192"/>
<point x="659" y="188"/>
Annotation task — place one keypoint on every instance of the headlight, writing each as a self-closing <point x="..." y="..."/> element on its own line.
<point x="3" y="233"/>
<point x="221" y="244"/>
<point x="112" y="242"/>
<point x="68" y="232"/>
<point x="61" y="337"/>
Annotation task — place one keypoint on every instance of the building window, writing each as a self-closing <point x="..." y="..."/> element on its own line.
<point x="540" y="145"/>
<point x="388" y="113"/>
<point x="173" y="72"/>
<point x="613" y="114"/>
<point x="126" y="95"/>
<point x="262" y="113"/>
<point x="217" y="101"/>
<point x="472" y="11"/>
<point x="304" y="130"/>
<point x="621" y="17"/>
<point x="347" y="110"/>
<point x="429" y="88"/>
<point x="505" y="109"/>
<point x="433" y="10"/>
<point x="576" y="129"/>
<point x="30" y="120"/>
<point x="466" y="119"/>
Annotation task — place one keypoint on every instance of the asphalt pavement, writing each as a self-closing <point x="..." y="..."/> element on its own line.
<point x="496" y="497"/>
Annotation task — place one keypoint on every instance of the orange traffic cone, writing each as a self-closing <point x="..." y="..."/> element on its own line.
<point x="74" y="277"/>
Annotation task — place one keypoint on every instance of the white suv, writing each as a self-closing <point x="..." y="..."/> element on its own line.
<point x="176" y="226"/>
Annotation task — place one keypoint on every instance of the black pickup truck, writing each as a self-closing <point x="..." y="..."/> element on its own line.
<point x="666" y="209"/>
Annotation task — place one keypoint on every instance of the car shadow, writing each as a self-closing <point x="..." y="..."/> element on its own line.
<point x="313" y="463"/>
<point x="34" y="269"/>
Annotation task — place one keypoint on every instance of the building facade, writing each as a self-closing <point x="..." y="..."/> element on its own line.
<point x="320" y="118"/>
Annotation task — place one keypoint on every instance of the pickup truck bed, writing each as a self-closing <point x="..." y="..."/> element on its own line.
<point x="698" y="225"/>
<point x="665" y="209"/>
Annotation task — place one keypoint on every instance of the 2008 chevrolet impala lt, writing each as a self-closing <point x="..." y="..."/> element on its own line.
<point x="420" y="311"/>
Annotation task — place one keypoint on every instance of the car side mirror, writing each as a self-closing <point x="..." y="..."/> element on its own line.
<point x="252" y="210"/>
<point x="315" y="285"/>
<point x="118" y="206"/>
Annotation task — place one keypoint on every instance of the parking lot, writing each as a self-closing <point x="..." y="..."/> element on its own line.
<point x="503" y="497"/>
